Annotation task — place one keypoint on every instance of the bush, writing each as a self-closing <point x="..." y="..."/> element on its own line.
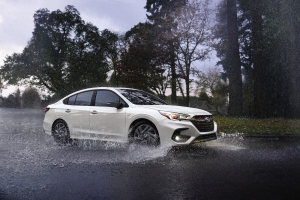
<point x="31" y="98"/>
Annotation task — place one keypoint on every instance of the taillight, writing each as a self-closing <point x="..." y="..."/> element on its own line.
<point x="46" y="109"/>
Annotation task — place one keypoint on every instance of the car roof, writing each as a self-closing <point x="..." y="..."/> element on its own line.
<point x="97" y="88"/>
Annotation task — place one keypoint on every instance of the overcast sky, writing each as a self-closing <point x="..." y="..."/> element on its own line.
<point x="16" y="18"/>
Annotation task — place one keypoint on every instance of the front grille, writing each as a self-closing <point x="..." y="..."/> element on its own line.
<point x="203" y="123"/>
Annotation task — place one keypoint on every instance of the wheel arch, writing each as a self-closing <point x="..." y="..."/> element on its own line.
<point x="133" y="123"/>
<point x="58" y="119"/>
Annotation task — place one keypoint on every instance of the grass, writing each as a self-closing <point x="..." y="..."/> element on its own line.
<point x="247" y="126"/>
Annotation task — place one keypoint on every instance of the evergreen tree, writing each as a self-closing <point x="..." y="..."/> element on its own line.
<point x="235" y="107"/>
<point x="269" y="54"/>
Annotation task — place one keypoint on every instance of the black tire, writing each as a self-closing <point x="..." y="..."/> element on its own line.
<point x="144" y="133"/>
<point x="61" y="133"/>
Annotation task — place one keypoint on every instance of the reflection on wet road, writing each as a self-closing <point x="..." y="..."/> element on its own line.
<point x="33" y="166"/>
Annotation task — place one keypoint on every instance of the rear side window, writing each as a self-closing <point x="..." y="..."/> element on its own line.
<point x="84" y="98"/>
<point x="81" y="99"/>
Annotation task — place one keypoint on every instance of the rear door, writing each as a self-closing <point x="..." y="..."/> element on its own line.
<point x="78" y="114"/>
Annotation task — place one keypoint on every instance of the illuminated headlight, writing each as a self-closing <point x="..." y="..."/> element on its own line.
<point x="174" y="116"/>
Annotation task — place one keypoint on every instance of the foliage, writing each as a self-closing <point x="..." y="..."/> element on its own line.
<point x="161" y="14"/>
<point x="13" y="100"/>
<point x="113" y="48"/>
<point x="212" y="82"/>
<point x="267" y="126"/>
<point x="31" y="98"/>
<point x="139" y="66"/>
<point x="208" y="80"/>
<point x="220" y="94"/>
<point x="204" y="97"/>
<point x="64" y="54"/>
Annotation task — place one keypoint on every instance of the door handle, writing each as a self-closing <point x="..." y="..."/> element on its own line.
<point x="68" y="111"/>
<point x="94" y="112"/>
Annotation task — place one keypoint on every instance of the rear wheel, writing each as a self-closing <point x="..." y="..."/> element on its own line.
<point x="61" y="133"/>
<point x="144" y="133"/>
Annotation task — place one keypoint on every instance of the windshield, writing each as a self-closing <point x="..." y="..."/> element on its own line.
<point x="140" y="97"/>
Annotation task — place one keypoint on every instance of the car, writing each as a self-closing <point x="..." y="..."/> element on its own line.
<point x="126" y="115"/>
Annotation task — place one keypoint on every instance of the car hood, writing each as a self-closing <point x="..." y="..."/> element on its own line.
<point x="177" y="109"/>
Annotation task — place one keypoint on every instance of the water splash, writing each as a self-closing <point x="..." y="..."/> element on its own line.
<point x="226" y="141"/>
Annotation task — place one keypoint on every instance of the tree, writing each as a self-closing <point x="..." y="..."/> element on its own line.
<point x="87" y="60"/>
<point x="208" y="80"/>
<point x="269" y="47"/>
<point x="113" y="50"/>
<point x="18" y="98"/>
<point x="235" y="107"/>
<point x="31" y="98"/>
<point x="64" y="54"/>
<point x="13" y="100"/>
<point x="288" y="51"/>
<point x="162" y="17"/>
<point x="220" y="95"/>
<point x="0" y="88"/>
<point x="203" y="96"/>
<point x="212" y="83"/>
<point x="140" y="66"/>
<point x="259" y="61"/>
<point x="192" y="33"/>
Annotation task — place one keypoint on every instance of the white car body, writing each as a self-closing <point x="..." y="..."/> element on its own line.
<point x="102" y="122"/>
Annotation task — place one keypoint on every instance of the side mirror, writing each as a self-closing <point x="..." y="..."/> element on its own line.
<point x="120" y="106"/>
<point x="116" y="105"/>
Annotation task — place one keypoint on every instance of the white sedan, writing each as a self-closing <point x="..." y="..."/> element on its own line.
<point x="126" y="115"/>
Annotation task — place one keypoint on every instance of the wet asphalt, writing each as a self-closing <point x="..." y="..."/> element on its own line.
<point x="33" y="166"/>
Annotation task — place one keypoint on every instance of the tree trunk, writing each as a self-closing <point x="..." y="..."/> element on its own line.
<point x="293" y="59"/>
<point x="259" y="71"/>
<point x="235" y="107"/>
<point x="187" y="86"/>
<point x="173" y="77"/>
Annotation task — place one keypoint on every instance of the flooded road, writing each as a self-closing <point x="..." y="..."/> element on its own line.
<point x="33" y="166"/>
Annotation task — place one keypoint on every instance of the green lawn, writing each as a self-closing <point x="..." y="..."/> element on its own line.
<point x="247" y="126"/>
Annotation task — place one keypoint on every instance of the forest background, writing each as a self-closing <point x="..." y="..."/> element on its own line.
<point x="257" y="43"/>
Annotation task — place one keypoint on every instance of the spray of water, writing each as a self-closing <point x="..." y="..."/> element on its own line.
<point x="228" y="141"/>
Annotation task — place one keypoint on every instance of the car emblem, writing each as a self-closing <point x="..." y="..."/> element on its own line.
<point x="207" y="119"/>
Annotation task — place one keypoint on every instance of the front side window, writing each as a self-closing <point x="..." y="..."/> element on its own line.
<point x="83" y="99"/>
<point x="139" y="97"/>
<point x="104" y="97"/>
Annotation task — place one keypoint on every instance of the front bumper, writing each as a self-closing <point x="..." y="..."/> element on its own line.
<point x="177" y="133"/>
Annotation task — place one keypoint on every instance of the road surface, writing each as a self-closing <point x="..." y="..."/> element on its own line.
<point x="33" y="166"/>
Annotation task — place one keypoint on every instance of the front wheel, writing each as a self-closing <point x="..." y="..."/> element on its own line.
<point x="144" y="133"/>
<point x="60" y="132"/>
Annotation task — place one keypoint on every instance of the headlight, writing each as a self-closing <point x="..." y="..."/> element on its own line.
<point x="174" y="116"/>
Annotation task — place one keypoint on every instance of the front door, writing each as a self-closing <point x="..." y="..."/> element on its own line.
<point x="106" y="122"/>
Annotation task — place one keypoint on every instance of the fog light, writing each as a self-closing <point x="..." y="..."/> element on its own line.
<point x="177" y="137"/>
